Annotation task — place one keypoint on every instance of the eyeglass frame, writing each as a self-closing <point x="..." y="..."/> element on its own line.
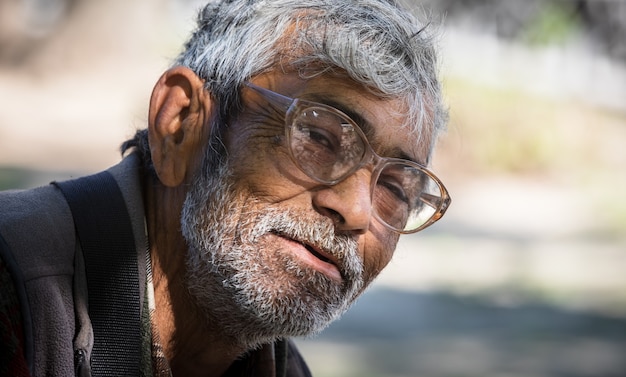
<point x="370" y="156"/>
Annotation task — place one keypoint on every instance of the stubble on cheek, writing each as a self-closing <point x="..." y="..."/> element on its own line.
<point x="377" y="250"/>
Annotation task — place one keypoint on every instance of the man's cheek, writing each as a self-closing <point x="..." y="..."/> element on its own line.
<point x="376" y="256"/>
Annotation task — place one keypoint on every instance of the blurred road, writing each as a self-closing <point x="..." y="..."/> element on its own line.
<point x="437" y="334"/>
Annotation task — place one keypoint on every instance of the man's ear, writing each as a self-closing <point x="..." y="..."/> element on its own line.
<point x="179" y="109"/>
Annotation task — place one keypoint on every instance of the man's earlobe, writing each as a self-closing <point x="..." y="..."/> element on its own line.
<point x="179" y="109"/>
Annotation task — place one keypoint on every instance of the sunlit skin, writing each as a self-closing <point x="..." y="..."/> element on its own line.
<point x="180" y="114"/>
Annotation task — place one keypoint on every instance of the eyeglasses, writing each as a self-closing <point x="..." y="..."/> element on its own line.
<point x="328" y="147"/>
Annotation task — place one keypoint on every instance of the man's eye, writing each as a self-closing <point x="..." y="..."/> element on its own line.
<point x="319" y="136"/>
<point x="394" y="189"/>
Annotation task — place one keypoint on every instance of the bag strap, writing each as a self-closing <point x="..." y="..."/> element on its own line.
<point x="105" y="234"/>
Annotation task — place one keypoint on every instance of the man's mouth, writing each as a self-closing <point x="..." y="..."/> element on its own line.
<point x="318" y="258"/>
<point x="318" y="254"/>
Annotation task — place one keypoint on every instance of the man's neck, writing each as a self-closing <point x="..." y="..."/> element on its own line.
<point x="190" y="345"/>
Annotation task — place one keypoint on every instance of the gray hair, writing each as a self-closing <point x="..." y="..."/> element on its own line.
<point x="374" y="42"/>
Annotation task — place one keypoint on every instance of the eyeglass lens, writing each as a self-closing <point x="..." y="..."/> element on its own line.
<point x="328" y="147"/>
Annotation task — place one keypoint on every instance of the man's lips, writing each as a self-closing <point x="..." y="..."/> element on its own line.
<point x="315" y="257"/>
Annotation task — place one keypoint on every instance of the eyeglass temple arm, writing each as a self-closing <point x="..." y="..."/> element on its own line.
<point x="437" y="202"/>
<point x="276" y="98"/>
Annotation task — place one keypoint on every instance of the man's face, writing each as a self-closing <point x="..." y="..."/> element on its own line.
<point x="273" y="252"/>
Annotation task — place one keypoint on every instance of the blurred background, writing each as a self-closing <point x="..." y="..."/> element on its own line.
<point x="526" y="274"/>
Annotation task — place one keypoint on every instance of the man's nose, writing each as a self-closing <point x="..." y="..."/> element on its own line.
<point x="348" y="203"/>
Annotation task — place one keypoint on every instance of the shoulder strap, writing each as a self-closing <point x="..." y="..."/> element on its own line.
<point x="105" y="234"/>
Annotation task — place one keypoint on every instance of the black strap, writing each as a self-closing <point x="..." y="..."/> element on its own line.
<point x="281" y="348"/>
<point x="105" y="234"/>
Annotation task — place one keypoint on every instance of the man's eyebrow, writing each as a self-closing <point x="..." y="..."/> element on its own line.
<point x="399" y="153"/>
<point x="364" y="124"/>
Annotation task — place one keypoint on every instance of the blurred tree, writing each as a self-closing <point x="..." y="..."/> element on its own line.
<point x="25" y="24"/>
<point x="602" y="22"/>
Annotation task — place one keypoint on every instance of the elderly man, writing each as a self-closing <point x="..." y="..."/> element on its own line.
<point x="284" y="156"/>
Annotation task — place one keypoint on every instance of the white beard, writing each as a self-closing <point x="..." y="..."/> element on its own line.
<point x="246" y="286"/>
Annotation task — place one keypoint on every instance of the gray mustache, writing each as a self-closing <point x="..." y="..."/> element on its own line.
<point x="319" y="233"/>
